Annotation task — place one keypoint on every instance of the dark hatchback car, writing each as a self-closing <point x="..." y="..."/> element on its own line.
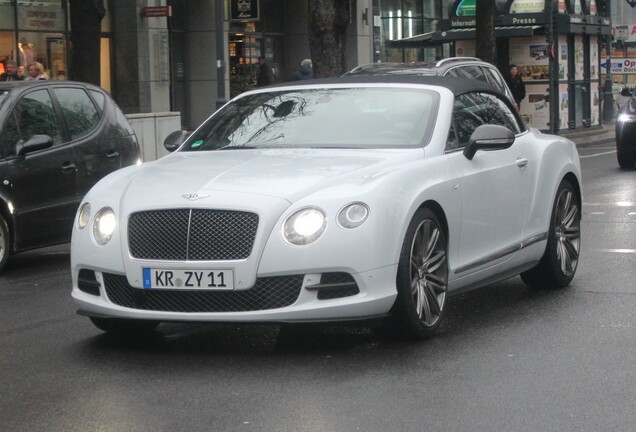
<point x="626" y="132"/>
<point x="57" y="139"/>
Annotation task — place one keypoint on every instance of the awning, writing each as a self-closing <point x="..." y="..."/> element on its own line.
<point x="455" y="34"/>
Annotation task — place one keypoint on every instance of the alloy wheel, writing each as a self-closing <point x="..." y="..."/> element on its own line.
<point x="428" y="272"/>
<point x="567" y="231"/>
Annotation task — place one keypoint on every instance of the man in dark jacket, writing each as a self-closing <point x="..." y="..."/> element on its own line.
<point x="516" y="85"/>
<point x="305" y="72"/>
<point x="11" y="73"/>
<point x="265" y="75"/>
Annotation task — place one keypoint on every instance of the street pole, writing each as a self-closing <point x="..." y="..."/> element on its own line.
<point x="608" y="96"/>
<point x="220" y="54"/>
<point x="554" y="65"/>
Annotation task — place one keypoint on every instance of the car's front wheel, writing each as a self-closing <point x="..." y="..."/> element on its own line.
<point x="4" y="243"/>
<point x="422" y="278"/>
<point x="561" y="257"/>
<point x="124" y="327"/>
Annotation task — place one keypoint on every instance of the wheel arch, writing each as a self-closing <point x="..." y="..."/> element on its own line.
<point x="436" y="208"/>
<point x="6" y="216"/>
<point x="574" y="181"/>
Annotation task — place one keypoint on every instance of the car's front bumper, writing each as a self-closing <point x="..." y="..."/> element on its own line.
<point x="284" y="298"/>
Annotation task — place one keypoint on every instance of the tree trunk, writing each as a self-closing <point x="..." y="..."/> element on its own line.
<point x="86" y="17"/>
<point x="485" y="44"/>
<point x="328" y="22"/>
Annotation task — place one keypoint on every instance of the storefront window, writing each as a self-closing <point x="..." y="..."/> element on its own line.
<point x="574" y="7"/>
<point x="41" y="39"/>
<point x="105" y="47"/>
<point x="407" y="18"/>
<point x="7" y="38"/>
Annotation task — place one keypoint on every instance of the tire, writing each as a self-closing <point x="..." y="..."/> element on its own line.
<point x="5" y="243"/>
<point x="422" y="279"/>
<point x="124" y="327"/>
<point x="560" y="259"/>
<point x="626" y="160"/>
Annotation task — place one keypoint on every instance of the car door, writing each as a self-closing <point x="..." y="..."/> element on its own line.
<point x="42" y="185"/>
<point x="97" y="151"/>
<point x="494" y="185"/>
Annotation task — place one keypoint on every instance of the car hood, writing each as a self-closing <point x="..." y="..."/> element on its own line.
<point x="287" y="174"/>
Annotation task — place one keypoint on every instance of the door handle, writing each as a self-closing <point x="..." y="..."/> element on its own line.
<point x="112" y="155"/>
<point x="68" y="167"/>
<point x="521" y="162"/>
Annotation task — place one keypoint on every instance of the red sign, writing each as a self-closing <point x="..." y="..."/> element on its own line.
<point x="156" y="11"/>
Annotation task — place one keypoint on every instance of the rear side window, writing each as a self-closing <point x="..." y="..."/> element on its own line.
<point x="493" y="78"/>
<point x="470" y="72"/>
<point x="100" y="100"/>
<point x="80" y="114"/>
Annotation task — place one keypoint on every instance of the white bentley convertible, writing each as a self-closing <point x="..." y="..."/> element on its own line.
<point x="331" y="200"/>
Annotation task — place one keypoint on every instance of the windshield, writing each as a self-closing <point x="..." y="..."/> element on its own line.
<point x="343" y="117"/>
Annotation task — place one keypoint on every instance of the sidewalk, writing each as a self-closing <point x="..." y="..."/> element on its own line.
<point x="604" y="134"/>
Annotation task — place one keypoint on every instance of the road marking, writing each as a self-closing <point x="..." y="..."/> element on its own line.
<point x="596" y="213"/>
<point x="624" y="251"/>
<point x="618" y="204"/>
<point x="597" y="154"/>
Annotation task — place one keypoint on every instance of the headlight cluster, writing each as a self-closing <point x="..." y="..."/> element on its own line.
<point x="307" y="224"/>
<point x="622" y="118"/>
<point x="104" y="222"/>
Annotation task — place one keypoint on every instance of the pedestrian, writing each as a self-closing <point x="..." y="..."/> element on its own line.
<point x="11" y="73"/>
<point x="516" y="85"/>
<point x="305" y="72"/>
<point x="265" y="75"/>
<point x="36" y="72"/>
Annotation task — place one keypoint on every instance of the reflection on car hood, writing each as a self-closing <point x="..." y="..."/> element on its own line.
<point x="283" y="173"/>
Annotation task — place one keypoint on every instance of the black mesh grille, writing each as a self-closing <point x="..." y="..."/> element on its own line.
<point x="337" y="285"/>
<point x="268" y="293"/>
<point x="196" y="235"/>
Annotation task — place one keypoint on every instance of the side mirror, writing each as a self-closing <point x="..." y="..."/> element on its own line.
<point x="35" y="143"/>
<point x="175" y="139"/>
<point x="627" y="91"/>
<point x="488" y="137"/>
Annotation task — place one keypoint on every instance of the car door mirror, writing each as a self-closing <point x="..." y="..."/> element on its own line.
<point x="175" y="139"/>
<point x="35" y="143"/>
<point x="489" y="137"/>
<point x="627" y="91"/>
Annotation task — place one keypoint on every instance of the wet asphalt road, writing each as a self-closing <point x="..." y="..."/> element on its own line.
<point x="507" y="359"/>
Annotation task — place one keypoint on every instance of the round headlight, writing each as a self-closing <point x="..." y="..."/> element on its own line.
<point x="353" y="215"/>
<point x="304" y="226"/>
<point x="84" y="216"/>
<point x="104" y="225"/>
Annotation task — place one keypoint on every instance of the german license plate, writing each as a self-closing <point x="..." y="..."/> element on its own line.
<point x="188" y="279"/>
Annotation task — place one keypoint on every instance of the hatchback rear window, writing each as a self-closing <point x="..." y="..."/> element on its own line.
<point x="80" y="114"/>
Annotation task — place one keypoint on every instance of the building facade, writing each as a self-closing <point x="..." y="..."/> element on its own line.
<point x="192" y="55"/>
<point x="556" y="45"/>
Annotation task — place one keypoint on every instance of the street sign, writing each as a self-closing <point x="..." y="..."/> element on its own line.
<point x="159" y="11"/>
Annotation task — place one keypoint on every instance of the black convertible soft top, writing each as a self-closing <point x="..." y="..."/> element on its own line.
<point x="456" y="85"/>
